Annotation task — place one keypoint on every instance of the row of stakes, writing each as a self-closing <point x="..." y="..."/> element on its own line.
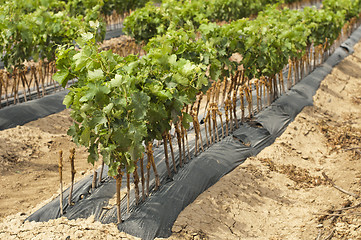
<point x="222" y="93"/>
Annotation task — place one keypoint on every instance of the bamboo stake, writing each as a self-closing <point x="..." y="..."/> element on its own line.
<point x="142" y="176"/>
<point x="224" y="90"/>
<point x="275" y="88"/>
<point x="282" y="82"/>
<point x="60" y="165"/>
<point x="101" y="173"/>
<point x="13" y="89"/>
<point x="208" y="99"/>
<point x="261" y="82"/>
<point x="226" y="107"/>
<point x="179" y="139"/>
<point x="73" y="172"/>
<point x="220" y="116"/>
<point x="172" y="152"/>
<point x="230" y="113"/>
<point x="296" y="66"/>
<point x="148" y="171"/>
<point x="235" y="108"/>
<point x="257" y="94"/>
<point x="94" y="183"/>
<point x="196" y="133"/>
<point x="183" y="141"/>
<point x="150" y="155"/>
<point x="289" y="85"/>
<point x="186" y="135"/>
<point x="128" y="191"/>
<point x="241" y="98"/>
<point x="209" y="127"/>
<point x="136" y="183"/>
<point x="118" y="187"/>
<point x="214" y="118"/>
<point x="165" y="145"/>
<point x="205" y="129"/>
<point x="197" y="129"/>
<point x="23" y="82"/>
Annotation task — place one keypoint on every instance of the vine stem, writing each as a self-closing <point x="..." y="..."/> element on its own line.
<point x="73" y="172"/>
<point x="61" y="181"/>
<point x="165" y="145"/>
<point x="172" y="152"/>
<point x="118" y="179"/>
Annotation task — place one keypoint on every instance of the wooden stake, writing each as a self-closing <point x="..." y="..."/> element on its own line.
<point x="60" y="165"/>
<point x="142" y="176"/>
<point x="101" y="173"/>
<point x="183" y="141"/>
<point x="118" y="187"/>
<point x="151" y="158"/>
<point x="128" y="191"/>
<point x="230" y="113"/>
<point x="136" y="183"/>
<point x="241" y="98"/>
<point x="220" y="116"/>
<point x="289" y="84"/>
<point x="205" y="129"/>
<point x="148" y="172"/>
<point x="186" y="135"/>
<point x="235" y="108"/>
<point x="179" y="138"/>
<point x="165" y="145"/>
<point x="94" y="183"/>
<point x="73" y="172"/>
<point x="226" y="107"/>
<point x="282" y="82"/>
<point x="172" y="152"/>
<point x="209" y="127"/>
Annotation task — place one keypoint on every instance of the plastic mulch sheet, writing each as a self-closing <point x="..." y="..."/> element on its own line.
<point x="155" y="216"/>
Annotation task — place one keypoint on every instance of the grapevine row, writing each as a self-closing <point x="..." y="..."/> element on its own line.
<point x="149" y="21"/>
<point x="122" y="104"/>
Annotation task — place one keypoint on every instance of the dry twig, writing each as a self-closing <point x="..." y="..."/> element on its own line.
<point x="337" y="187"/>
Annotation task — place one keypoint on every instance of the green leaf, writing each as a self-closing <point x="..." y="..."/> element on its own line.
<point x="93" y="154"/>
<point x="180" y="79"/>
<point x="139" y="104"/>
<point x="96" y="74"/>
<point x="61" y="77"/>
<point x="85" y="136"/>
<point x="117" y="81"/>
<point x="186" y="120"/>
<point x="68" y="100"/>
<point x="108" y="108"/>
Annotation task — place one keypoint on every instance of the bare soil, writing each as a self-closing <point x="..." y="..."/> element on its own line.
<point x="280" y="194"/>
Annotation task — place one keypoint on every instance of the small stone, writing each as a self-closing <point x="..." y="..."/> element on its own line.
<point x="320" y="226"/>
<point x="305" y="157"/>
<point x="176" y="228"/>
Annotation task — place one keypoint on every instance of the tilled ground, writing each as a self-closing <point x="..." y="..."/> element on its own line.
<point x="283" y="193"/>
<point x="280" y="194"/>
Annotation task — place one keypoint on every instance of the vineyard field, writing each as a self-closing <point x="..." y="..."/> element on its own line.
<point x="275" y="203"/>
<point x="217" y="119"/>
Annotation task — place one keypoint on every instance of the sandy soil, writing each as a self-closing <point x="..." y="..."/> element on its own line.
<point x="29" y="158"/>
<point x="280" y="194"/>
